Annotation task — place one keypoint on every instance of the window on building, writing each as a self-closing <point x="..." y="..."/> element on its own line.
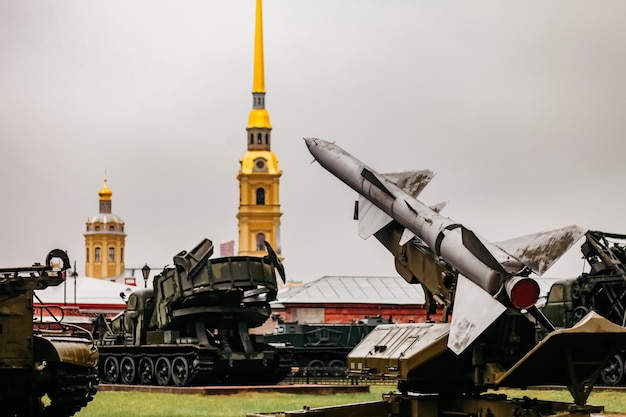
<point x="260" y="196"/>
<point x="121" y="254"/>
<point x="97" y="227"/>
<point x="111" y="254"/>
<point x="111" y="227"/>
<point x="260" y="241"/>
<point x="259" y="139"/>
<point x="87" y="255"/>
<point x="97" y="255"/>
<point x="267" y="139"/>
<point x="251" y="138"/>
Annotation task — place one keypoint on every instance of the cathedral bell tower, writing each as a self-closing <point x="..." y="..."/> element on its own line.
<point x="259" y="204"/>
<point x="104" y="240"/>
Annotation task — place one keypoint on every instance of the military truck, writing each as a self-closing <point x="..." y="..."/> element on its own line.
<point x="40" y="358"/>
<point x="192" y="326"/>
<point x="320" y="349"/>
<point x="602" y="289"/>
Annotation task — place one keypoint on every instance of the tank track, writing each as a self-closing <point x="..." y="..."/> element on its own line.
<point x="183" y="368"/>
<point x="74" y="387"/>
<point x="186" y="368"/>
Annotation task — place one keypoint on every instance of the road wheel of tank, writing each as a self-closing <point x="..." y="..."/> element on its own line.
<point x="162" y="371"/>
<point x="128" y="371"/>
<point x="146" y="371"/>
<point x="316" y="368"/>
<point x="336" y="368"/>
<point x="180" y="371"/>
<point x="613" y="372"/>
<point x="111" y="370"/>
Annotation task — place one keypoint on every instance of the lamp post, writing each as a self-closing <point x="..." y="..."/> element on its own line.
<point x="146" y="273"/>
<point x="64" y="288"/>
<point x="74" y="275"/>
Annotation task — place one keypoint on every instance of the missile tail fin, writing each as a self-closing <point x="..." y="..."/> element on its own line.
<point x="468" y="320"/>
<point x="539" y="251"/>
<point x="371" y="218"/>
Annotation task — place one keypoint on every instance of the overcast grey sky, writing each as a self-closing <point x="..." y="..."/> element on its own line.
<point x="518" y="107"/>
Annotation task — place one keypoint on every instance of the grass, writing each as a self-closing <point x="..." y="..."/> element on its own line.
<point x="131" y="404"/>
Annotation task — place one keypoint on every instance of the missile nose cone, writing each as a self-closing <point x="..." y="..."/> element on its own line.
<point x="309" y="142"/>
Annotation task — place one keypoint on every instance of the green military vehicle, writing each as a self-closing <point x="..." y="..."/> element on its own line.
<point x="41" y="358"/>
<point x="602" y="289"/>
<point x="192" y="327"/>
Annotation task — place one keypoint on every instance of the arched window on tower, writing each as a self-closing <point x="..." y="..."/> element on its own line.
<point x="260" y="241"/>
<point x="251" y="138"/>
<point x="111" y="254"/>
<point x="97" y="255"/>
<point x="259" y="139"/>
<point x="267" y="139"/>
<point x="87" y="255"/>
<point x="260" y="196"/>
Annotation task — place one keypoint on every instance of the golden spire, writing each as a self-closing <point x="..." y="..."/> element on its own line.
<point x="258" y="83"/>
<point x="259" y="116"/>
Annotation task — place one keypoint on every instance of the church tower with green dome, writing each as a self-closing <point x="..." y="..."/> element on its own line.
<point x="104" y="240"/>
<point x="259" y="205"/>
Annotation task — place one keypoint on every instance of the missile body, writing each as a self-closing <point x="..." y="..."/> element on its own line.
<point x="442" y="235"/>
<point x="490" y="277"/>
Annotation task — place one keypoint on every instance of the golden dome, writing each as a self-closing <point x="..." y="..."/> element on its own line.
<point x="105" y="193"/>
<point x="259" y="118"/>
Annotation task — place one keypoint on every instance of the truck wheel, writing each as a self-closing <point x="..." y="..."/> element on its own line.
<point x="127" y="370"/>
<point x="579" y="313"/>
<point x="337" y="368"/>
<point x="146" y="371"/>
<point x="162" y="371"/>
<point x="180" y="371"/>
<point x="613" y="372"/>
<point x="316" y="368"/>
<point x="111" y="370"/>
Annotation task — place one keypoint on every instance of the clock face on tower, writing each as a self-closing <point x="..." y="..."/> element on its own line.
<point x="260" y="165"/>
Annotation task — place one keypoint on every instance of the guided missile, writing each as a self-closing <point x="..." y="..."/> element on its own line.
<point x="491" y="277"/>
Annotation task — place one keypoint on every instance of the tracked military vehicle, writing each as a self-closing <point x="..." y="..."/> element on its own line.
<point x="191" y="328"/>
<point x="320" y="349"/>
<point x="41" y="359"/>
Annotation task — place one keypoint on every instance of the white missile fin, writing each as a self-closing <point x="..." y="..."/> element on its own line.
<point x="539" y="251"/>
<point x="407" y="235"/>
<point x="371" y="218"/>
<point x="473" y="312"/>
<point x="413" y="182"/>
